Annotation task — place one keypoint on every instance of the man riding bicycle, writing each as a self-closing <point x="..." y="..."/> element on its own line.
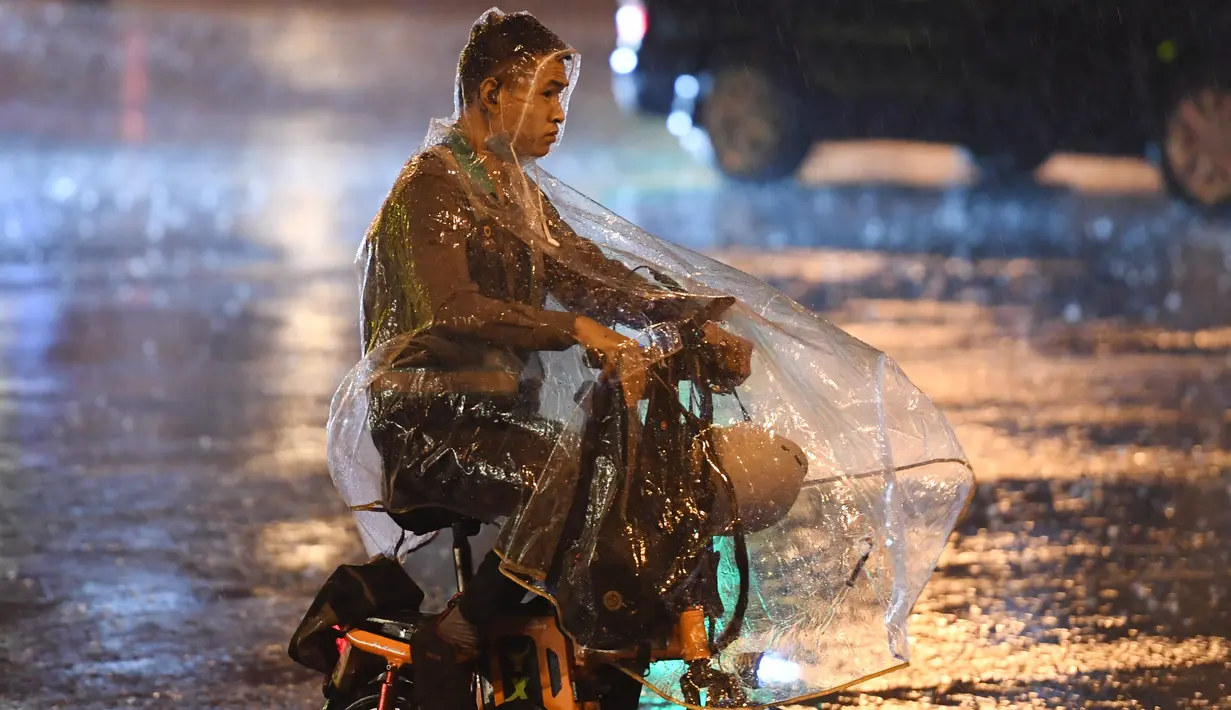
<point x="471" y="274"/>
<point x="532" y="360"/>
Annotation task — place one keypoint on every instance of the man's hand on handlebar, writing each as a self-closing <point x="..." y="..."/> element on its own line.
<point x="603" y="345"/>
<point x="620" y="357"/>
<point x="729" y="356"/>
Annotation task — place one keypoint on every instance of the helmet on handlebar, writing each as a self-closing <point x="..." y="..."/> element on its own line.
<point x="766" y="472"/>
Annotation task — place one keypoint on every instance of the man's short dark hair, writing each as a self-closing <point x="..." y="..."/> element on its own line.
<point x="498" y="43"/>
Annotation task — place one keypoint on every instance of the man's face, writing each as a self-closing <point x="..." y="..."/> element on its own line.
<point x="531" y="111"/>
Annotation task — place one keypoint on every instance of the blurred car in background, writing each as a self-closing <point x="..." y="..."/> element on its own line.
<point x="754" y="83"/>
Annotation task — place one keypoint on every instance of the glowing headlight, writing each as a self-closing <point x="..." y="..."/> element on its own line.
<point x="777" y="671"/>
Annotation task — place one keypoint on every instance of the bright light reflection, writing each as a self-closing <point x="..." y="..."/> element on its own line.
<point x="679" y="124"/>
<point x="687" y="87"/>
<point x="630" y="25"/>
<point x="623" y="61"/>
<point x="301" y="40"/>
<point x="300" y="223"/>
<point x="318" y="544"/>
<point x="696" y="142"/>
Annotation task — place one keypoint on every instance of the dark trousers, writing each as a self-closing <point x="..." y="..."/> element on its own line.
<point x="470" y="455"/>
<point x="490" y="594"/>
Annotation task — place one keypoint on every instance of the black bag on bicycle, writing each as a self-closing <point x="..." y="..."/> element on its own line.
<point x="351" y="594"/>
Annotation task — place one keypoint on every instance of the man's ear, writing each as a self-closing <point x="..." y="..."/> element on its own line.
<point x="489" y="94"/>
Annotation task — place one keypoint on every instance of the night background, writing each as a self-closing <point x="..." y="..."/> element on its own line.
<point x="1024" y="204"/>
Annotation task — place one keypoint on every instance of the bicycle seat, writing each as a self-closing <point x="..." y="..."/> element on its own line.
<point x="429" y="519"/>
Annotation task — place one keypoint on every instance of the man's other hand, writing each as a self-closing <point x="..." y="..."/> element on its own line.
<point x="729" y="355"/>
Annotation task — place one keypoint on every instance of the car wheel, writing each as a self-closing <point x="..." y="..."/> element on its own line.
<point x="756" y="124"/>
<point x="1196" y="144"/>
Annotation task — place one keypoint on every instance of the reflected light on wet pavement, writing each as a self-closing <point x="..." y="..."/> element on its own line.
<point x="181" y="196"/>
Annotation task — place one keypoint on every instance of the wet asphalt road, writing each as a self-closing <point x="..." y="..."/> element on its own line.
<point x="181" y="194"/>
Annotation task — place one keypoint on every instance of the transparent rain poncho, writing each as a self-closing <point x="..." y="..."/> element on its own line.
<point x="776" y="472"/>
